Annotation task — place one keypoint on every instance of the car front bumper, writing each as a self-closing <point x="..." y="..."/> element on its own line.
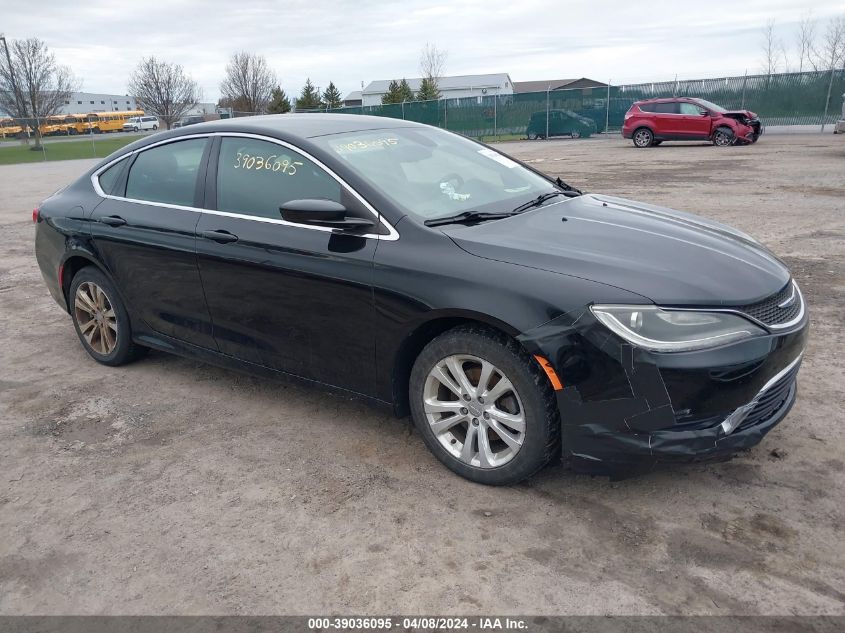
<point x="625" y="410"/>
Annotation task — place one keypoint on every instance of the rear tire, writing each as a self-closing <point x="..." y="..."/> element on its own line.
<point x="100" y="319"/>
<point x="643" y="137"/>
<point x="575" y="134"/>
<point x="532" y="136"/>
<point x="499" y="440"/>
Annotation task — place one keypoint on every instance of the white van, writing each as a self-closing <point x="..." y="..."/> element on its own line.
<point x="140" y="123"/>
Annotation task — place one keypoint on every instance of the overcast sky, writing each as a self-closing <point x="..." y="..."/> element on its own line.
<point x="353" y="41"/>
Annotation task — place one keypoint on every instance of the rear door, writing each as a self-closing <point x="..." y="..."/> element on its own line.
<point x="144" y="233"/>
<point x="666" y="119"/>
<point x="285" y="296"/>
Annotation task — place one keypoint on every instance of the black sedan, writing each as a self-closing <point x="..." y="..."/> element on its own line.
<point x="516" y="319"/>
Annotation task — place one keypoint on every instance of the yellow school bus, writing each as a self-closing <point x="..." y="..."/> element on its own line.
<point x="59" y="125"/>
<point x="98" y="122"/>
<point x="9" y="128"/>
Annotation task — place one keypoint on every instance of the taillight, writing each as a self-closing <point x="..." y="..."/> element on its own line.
<point x="36" y="212"/>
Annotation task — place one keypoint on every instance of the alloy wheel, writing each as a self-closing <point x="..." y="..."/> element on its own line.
<point x="642" y="138"/>
<point x="722" y="138"/>
<point x="474" y="411"/>
<point x="96" y="318"/>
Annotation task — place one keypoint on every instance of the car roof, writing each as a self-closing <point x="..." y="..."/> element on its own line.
<point x="301" y="125"/>
<point x="666" y="99"/>
<point x="290" y="127"/>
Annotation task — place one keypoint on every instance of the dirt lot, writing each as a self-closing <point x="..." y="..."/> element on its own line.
<point x="170" y="486"/>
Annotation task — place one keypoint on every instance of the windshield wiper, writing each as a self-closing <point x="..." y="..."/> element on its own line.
<point x="468" y="216"/>
<point x="536" y="202"/>
<point x="567" y="187"/>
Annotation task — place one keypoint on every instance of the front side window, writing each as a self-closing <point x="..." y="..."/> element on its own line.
<point x="256" y="177"/>
<point x="691" y="108"/>
<point x="432" y="173"/>
<point x="167" y="173"/>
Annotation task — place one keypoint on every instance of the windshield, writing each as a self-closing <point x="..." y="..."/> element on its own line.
<point x="710" y="105"/>
<point x="432" y="174"/>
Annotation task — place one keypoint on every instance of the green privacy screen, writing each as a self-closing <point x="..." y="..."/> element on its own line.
<point x="781" y="99"/>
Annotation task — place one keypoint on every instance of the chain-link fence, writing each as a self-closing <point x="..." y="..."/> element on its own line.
<point x="781" y="99"/>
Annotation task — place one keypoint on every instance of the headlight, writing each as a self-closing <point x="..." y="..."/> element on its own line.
<point x="661" y="330"/>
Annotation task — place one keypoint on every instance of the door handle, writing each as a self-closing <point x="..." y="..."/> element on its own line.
<point x="113" y="220"/>
<point x="221" y="237"/>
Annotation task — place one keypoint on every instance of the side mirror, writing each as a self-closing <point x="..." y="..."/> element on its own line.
<point x="321" y="212"/>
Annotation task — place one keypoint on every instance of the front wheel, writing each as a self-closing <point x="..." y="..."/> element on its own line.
<point x="643" y="137"/>
<point x="532" y="136"/>
<point x="575" y="134"/>
<point x="723" y="137"/>
<point x="483" y="406"/>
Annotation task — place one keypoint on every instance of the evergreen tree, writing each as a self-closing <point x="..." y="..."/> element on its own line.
<point x="428" y="90"/>
<point x="392" y="95"/>
<point x="332" y="97"/>
<point x="405" y="91"/>
<point x="279" y="102"/>
<point x="309" y="98"/>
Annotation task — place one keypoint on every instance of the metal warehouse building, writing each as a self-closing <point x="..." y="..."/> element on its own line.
<point x="84" y="102"/>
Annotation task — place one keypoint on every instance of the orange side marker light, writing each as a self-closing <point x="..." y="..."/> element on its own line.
<point x="557" y="385"/>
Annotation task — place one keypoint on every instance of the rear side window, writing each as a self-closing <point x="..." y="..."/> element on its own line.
<point x="666" y="108"/>
<point x="167" y="173"/>
<point x="109" y="178"/>
<point x="256" y="177"/>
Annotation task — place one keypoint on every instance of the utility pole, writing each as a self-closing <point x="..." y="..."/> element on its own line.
<point x="548" y="88"/>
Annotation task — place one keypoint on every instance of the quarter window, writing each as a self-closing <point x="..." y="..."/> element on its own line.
<point x="167" y="173"/>
<point x="256" y="177"/>
<point x="108" y="179"/>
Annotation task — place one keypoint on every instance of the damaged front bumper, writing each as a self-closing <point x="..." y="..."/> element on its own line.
<point x="624" y="409"/>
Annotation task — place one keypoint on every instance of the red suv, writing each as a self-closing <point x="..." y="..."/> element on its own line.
<point x="687" y="119"/>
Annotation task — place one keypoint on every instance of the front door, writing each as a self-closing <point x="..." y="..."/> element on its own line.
<point x="144" y="233"/>
<point x="696" y="121"/>
<point x="285" y="296"/>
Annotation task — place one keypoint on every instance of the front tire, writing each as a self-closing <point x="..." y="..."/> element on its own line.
<point x="575" y="134"/>
<point x="100" y="319"/>
<point x="483" y="406"/>
<point x="723" y="137"/>
<point x="643" y="137"/>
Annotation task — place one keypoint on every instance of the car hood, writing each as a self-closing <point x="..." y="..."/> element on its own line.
<point x="746" y="113"/>
<point x="669" y="257"/>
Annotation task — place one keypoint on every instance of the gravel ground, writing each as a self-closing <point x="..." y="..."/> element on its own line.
<point x="170" y="486"/>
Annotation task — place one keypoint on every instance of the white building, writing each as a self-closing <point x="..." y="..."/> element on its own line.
<point x="85" y="102"/>
<point x="450" y="87"/>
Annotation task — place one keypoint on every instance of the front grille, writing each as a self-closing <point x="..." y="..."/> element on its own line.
<point x="772" y="400"/>
<point x="767" y="310"/>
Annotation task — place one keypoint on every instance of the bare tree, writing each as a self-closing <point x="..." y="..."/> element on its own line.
<point x="249" y="82"/>
<point x="772" y="49"/>
<point x="806" y="38"/>
<point x="432" y="62"/>
<point x="32" y="85"/>
<point x="163" y="89"/>
<point x="830" y="55"/>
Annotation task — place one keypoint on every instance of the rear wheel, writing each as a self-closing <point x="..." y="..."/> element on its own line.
<point x="575" y="134"/>
<point x="483" y="406"/>
<point x="100" y="319"/>
<point x="723" y="137"/>
<point x="643" y="137"/>
<point x="532" y="136"/>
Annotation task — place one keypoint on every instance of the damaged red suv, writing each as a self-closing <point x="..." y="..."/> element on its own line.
<point x="653" y="121"/>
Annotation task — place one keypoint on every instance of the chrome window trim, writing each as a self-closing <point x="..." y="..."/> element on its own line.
<point x="392" y="235"/>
